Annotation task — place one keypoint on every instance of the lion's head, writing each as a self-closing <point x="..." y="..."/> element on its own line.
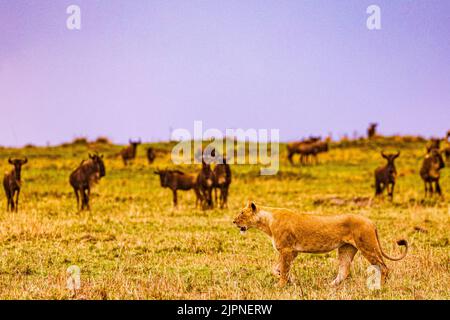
<point x="247" y="217"/>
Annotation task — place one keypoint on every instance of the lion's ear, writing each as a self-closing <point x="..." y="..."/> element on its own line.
<point x="253" y="206"/>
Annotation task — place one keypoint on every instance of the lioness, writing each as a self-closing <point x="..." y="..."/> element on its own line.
<point x="293" y="232"/>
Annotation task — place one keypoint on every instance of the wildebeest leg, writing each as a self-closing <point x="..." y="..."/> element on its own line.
<point x="198" y="197"/>
<point x="225" y="196"/>
<point x="223" y="191"/>
<point x="426" y="189"/>
<point x="175" y="198"/>
<point x="211" y="203"/>
<point x="78" y="198"/>
<point x="290" y="157"/>
<point x="88" y="194"/>
<point x="84" y="199"/>
<point x="11" y="201"/>
<point x="378" y="189"/>
<point x="215" y="194"/>
<point x="430" y="188"/>
<point x="8" y="197"/>
<point x="438" y="188"/>
<point x="391" y="190"/>
<point x="17" y="200"/>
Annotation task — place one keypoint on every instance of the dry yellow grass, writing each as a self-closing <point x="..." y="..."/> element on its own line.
<point x="133" y="245"/>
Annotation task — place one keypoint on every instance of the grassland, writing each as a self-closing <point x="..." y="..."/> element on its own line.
<point x="133" y="245"/>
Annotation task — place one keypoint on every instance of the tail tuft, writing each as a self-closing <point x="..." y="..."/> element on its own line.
<point x="402" y="242"/>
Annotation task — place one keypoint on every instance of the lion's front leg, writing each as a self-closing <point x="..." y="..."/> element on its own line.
<point x="287" y="256"/>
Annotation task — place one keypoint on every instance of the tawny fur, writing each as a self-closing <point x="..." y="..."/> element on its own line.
<point x="292" y="233"/>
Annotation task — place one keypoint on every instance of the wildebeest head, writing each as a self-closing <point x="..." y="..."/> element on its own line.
<point x="17" y="163"/>
<point x="151" y="155"/>
<point x="97" y="160"/>
<point x="162" y="176"/>
<point x="434" y="143"/>
<point x="390" y="159"/>
<point x="371" y="131"/>
<point x="134" y="144"/>
<point x="167" y="177"/>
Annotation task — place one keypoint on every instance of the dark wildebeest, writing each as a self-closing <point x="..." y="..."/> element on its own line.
<point x="429" y="172"/>
<point x="12" y="182"/>
<point x="222" y="181"/>
<point x="312" y="150"/>
<point x="372" y="130"/>
<point x="178" y="180"/>
<point x="129" y="153"/>
<point x="151" y="155"/>
<point x="434" y="143"/>
<point x="446" y="151"/>
<point x="385" y="176"/>
<point x="85" y="176"/>
<point x="299" y="146"/>
<point x="205" y="183"/>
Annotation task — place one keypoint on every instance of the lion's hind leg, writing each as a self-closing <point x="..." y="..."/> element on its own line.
<point x="370" y="249"/>
<point x="277" y="268"/>
<point x="346" y="253"/>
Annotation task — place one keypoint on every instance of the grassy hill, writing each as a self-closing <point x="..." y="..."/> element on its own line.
<point x="134" y="245"/>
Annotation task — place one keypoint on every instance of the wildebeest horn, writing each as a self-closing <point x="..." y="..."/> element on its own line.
<point x="383" y="154"/>
<point x="25" y="160"/>
<point x="397" y="154"/>
<point x="10" y="161"/>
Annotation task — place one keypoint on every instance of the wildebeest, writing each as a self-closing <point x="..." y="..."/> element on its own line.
<point x="372" y="130"/>
<point x="178" y="180"/>
<point x="222" y="181"/>
<point x="306" y="148"/>
<point x="429" y="172"/>
<point x="296" y="147"/>
<point x="313" y="150"/>
<point x="129" y="153"/>
<point x="85" y="176"/>
<point x="12" y="183"/>
<point x="434" y="143"/>
<point x="446" y="151"/>
<point x="205" y="183"/>
<point x="151" y="155"/>
<point x="385" y="176"/>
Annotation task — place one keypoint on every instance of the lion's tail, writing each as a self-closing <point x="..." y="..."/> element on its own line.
<point x="401" y="242"/>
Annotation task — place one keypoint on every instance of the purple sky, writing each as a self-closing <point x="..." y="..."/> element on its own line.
<point x="138" y="68"/>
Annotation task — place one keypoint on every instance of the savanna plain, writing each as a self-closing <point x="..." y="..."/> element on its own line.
<point x="133" y="244"/>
